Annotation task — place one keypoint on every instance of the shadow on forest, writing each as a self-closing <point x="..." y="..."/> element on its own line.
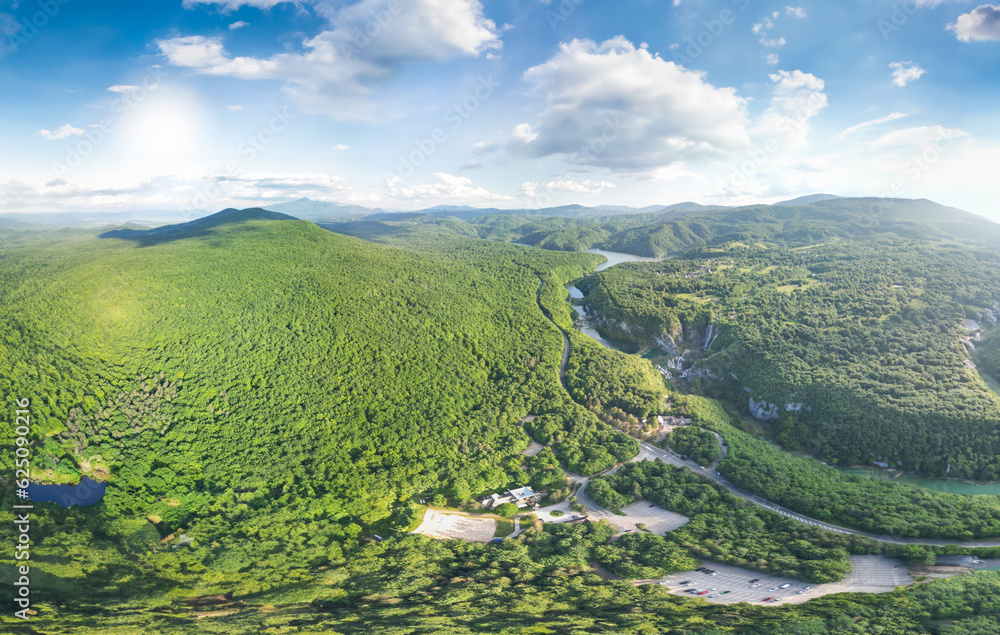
<point x="366" y="229"/>
<point x="199" y="227"/>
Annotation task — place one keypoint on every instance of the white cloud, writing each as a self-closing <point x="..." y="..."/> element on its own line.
<point x="921" y="136"/>
<point x="239" y="24"/>
<point x="232" y="5"/>
<point x="234" y="108"/>
<point x="761" y="29"/>
<point x="124" y="88"/>
<point x="524" y="133"/>
<point x="796" y="99"/>
<point x="869" y="124"/>
<point x="486" y="147"/>
<point x="581" y="187"/>
<point x="615" y="105"/>
<point x="340" y="147"/>
<point x="981" y="24"/>
<point x="905" y="72"/>
<point x="773" y="59"/>
<point x="448" y="187"/>
<point x="60" y="133"/>
<point x="342" y="64"/>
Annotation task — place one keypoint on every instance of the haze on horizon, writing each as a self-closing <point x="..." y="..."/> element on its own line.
<point x="208" y="104"/>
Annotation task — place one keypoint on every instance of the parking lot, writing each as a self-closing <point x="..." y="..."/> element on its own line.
<point x="736" y="581"/>
<point x="869" y="574"/>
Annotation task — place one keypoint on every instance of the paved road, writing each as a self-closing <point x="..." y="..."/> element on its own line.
<point x="649" y="452"/>
<point x="565" y="357"/>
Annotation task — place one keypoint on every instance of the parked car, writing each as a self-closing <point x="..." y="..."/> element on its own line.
<point x="807" y="587"/>
<point x="774" y="588"/>
<point x="754" y="580"/>
<point x="767" y="599"/>
<point x="714" y="595"/>
<point x="725" y="592"/>
<point x="754" y="586"/>
<point x="685" y="583"/>
<point x="691" y="590"/>
<point x="784" y="586"/>
<point x="775" y="599"/>
<point x="714" y="573"/>
<point x="702" y="592"/>
<point x="800" y="592"/>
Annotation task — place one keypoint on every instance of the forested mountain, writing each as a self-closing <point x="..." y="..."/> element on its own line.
<point x="854" y="349"/>
<point x="271" y="388"/>
<point x="674" y="228"/>
<point x="278" y="394"/>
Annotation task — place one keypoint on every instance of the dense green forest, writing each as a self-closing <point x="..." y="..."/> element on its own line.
<point x="854" y="349"/>
<point x="680" y="227"/>
<point x="727" y="529"/>
<point x="879" y="507"/>
<point x="849" y="307"/>
<point x="270" y="389"/>
<point x="698" y="444"/>
<point x="603" y="379"/>
<point x="279" y="394"/>
<point x="807" y="486"/>
<point x="539" y="583"/>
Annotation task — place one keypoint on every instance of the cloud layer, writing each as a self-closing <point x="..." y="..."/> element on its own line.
<point x="980" y="24"/>
<point x="615" y="105"/>
<point x="364" y="44"/>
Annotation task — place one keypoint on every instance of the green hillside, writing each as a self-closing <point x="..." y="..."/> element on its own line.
<point x="270" y="389"/>
<point x="677" y="228"/>
<point x="855" y="347"/>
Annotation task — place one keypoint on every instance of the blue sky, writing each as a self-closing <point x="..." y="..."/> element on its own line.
<point x="197" y="104"/>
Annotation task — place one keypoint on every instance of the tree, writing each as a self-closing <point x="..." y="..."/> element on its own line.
<point x="506" y="510"/>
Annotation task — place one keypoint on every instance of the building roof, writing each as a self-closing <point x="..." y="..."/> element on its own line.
<point x="522" y="492"/>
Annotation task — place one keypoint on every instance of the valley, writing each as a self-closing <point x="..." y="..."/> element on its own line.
<point x="273" y="407"/>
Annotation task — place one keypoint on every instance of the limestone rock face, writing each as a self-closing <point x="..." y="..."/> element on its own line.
<point x="763" y="410"/>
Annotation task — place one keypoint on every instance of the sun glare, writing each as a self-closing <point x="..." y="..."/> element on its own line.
<point x="167" y="126"/>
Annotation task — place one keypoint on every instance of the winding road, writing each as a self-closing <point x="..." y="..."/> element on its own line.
<point x="649" y="452"/>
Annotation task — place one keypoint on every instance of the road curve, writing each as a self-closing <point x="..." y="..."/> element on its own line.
<point x="649" y="452"/>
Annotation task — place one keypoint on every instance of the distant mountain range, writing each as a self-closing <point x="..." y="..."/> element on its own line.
<point x="569" y="226"/>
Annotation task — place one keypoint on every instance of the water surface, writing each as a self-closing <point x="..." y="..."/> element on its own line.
<point x="86" y="492"/>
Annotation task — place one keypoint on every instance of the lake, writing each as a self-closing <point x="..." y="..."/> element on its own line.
<point x="614" y="258"/>
<point x="953" y="486"/>
<point x="86" y="492"/>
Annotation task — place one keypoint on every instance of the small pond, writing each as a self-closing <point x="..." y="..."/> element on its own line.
<point x="86" y="492"/>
